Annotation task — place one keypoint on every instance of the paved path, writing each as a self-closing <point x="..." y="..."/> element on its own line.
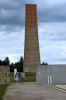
<point x="32" y="91"/>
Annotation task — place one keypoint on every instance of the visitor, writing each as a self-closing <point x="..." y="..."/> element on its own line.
<point x="16" y="77"/>
<point x="23" y="76"/>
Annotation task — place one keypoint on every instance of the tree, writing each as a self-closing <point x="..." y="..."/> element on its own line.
<point x="21" y="61"/>
<point x="21" y="64"/>
<point x="0" y="62"/>
<point x="7" y="61"/>
<point x="18" y="65"/>
<point x="44" y="63"/>
<point x="11" y="67"/>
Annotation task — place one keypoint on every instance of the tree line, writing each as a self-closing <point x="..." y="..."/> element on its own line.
<point x="5" y="62"/>
<point x="18" y="65"/>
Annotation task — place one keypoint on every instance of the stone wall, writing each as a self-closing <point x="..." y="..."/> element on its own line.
<point x="4" y="74"/>
<point x="51" y="74"/>
<point x="30" y="69"/>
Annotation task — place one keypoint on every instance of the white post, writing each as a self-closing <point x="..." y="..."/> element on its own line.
<point x="50" y="80"/>
<point x="15" y="71"/>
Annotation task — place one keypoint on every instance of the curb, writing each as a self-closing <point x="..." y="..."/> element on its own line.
<point x="58" y="88"/>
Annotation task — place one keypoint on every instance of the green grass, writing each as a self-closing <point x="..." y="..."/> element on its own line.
<point x="2" y="90"/>
<point x="30" y="77"/>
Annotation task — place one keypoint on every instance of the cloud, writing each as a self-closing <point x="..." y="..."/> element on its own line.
<point x="12" y="45"/>
<point x="52" y="40"/>
<point x="54" y="14"/>
<point x="12" y="58"/>
<point x="52" y="31"/>
<point x="53" y="53"/>
<point x="12" y="12"/>
<point x="51" y="26"/>
<point x="11" y="17"/>
<point x="9" y="4"/>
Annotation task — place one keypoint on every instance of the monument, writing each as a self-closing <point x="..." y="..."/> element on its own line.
<point x="31" y="46"/>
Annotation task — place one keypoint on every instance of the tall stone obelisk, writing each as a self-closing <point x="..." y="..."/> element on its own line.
<point x="31" y="46"/>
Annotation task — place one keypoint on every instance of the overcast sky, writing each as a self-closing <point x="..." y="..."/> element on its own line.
<point x="51" y="28"/>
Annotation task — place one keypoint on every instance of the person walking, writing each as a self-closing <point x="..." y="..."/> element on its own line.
<point x="16" y="77"/>
<point x="23" y="76"/>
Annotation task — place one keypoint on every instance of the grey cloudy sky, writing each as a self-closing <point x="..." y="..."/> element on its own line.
<point x="51" y="28"/>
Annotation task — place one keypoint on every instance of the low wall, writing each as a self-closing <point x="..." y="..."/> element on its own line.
<point x="51" y="74"/>
<point x="4" y="74"/>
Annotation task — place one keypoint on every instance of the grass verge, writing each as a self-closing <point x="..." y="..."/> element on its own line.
<point x="2" y="90"/>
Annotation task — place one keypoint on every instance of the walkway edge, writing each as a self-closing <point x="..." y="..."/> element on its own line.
<point x="58" y="88"/>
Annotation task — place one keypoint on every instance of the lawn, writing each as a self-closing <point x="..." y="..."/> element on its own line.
<point x="30" y="77"/>
<point x="2" y="90"/>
